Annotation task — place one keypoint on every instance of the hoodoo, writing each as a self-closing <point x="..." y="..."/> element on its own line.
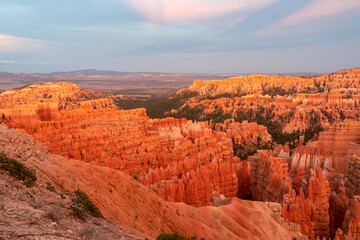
<point x="290" y="149"/>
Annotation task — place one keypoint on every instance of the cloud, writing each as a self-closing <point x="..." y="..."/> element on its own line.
<point x="224" y="13"/>
<point x="11" y="44"/>
<point x="7" y="61"/>
<point x="43" y="63"/>
<point x="320" y="9"/>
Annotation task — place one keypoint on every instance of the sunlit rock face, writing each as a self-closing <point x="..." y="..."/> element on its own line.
<point x="352" y="183"/>
<point x="26" y="107"/>
<point x="331" y="151"/>
<point x="294" y="103"/>
<point x="351" y="223"/>
<point x="339" y="204"/>
<point x="180" y="160"/>
<point x="132" y="205"/>
<point x="269" y="178"/>
<point x="251" y="84"/>
<point x="310" y="208"/>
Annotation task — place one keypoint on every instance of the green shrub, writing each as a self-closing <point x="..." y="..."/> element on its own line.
<point x="19" y="170"/>
<point x="82" y="200"/>
<point x="78" y="212"/>
<point x="175" y="236"/>
<point x="50" y="187"/>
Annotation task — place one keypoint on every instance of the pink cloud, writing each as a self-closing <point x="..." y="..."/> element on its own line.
<point x="223" y="13"/>
<point x="317" y="10"/>
<point x="12" y="44"/>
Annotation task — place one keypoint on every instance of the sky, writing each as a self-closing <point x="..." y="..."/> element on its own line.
<point x="185" y="36"/>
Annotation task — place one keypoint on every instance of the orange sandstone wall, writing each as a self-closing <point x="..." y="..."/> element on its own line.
<point x="180" y="160"/>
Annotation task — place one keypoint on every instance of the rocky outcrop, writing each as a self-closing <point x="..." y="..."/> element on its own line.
<point x="330" y="152"/>
<point x="289" y="103"/>
<point x="318" y="198"/>
<point x="244" y="131"/>
<point x="336" y="141"/>
<point x="195" y="166"/>
<point x="250" y="84"/>
<point x="170" y="156"/>
<point x="247" y="137"/>
<point x="352" y="183"/>
<point x="269" y="179"/>
<point x="311" y="212"/>
<point x="243" y="175"/>
<point x="129" y="203"/>
<point x="351" y="225"/>
<point x="27" y="107"/>
<point x="180" y="160"/>
<point x="339" y="204"/>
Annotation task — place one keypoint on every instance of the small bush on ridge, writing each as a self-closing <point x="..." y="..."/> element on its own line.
<point x="19" y="170"/>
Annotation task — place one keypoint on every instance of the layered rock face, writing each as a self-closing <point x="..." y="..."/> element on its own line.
<point x="322" y="179"/>
<point x="339" y="204"/>
<point x="129" y="203"/>
<point x="180" y="160"/>
<point x="244" y="131"/>
<point x="351" y="225"/>
<point x="195" y="164"/>
<point x="353" y="177"/>
<point x="250" y="84"/>
<point x="292" y="112"/>
<point x="311" y="212"/>
<point x="269" y="178"/>
<point x="289" y="103"/>
<point x="28" y="106"/>
<point x="247" y="137"/>
<point x="331" y="152"/>
<point x="342" y="79"/>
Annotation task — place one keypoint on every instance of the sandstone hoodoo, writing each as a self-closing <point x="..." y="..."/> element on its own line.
<point x="290" y="146"/>
<point x="180" y="160"/>
<point x="138" y="211"/>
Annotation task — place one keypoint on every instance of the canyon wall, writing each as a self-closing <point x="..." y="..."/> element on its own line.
<point x="310" y="208"/>
<point x="180" y="160"/>
<point x="331" y="151"/>
<point x="289" y="103"/>
<point x="269" y="178"/>
<point x="132" y="205"/>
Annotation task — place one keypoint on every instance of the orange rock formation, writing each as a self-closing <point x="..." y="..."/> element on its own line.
<point x="269" y="179"/>
<point x="251" y="84"/>
<point x="180" y="160"/>
<point x="351" y="224"/>
<point x="121" y="198"/>
<point x="194" y="162"/>
<point x="339" y="204"/>
<point x="292" y="101"/>
<point x="28" y="106"/>
<point x="312" y="213"/>
<point x="331" y="152"/>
